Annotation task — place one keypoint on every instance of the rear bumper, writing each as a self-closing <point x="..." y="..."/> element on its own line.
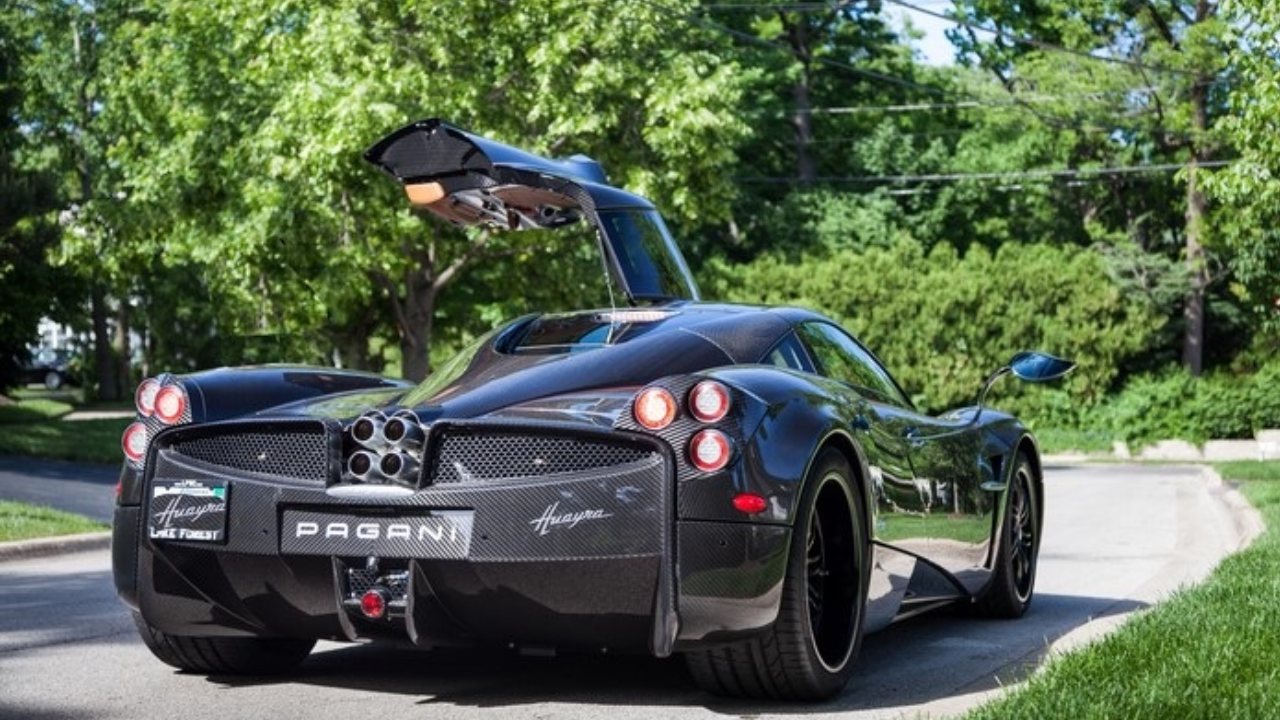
<point x="574" y="561"/>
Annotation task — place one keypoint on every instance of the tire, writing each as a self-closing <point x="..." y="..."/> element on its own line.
<point x="809" y="651"/>
<point x="223" y="655"/>
<point x="53" y="380"/>
<point x="1013" y="583"/>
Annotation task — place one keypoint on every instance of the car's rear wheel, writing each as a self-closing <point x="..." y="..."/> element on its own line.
<point x="1013" y="583"/>
<point x="808" y="653"/>
<point x="222" y="655"/>
<point x="53" y="380"/>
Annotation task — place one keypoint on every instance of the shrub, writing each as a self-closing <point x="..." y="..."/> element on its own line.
<point x="941" y="321"/>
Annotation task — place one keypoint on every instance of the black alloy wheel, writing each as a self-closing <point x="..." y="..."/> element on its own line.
<point x="1013" y="581"/>
<point x="809" y="652"/>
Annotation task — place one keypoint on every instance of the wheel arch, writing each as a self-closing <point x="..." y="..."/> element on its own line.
<point x="1027" y="446"/>
<point x="844" y="443"/>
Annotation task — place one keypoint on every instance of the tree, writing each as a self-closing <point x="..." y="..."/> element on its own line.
<point x="1249" y="190"/>
<point x="29" y="287"/>
<point x="1170" y="56"/>
<point x="251" y="121"/>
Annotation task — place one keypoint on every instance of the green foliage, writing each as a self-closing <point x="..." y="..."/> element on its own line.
<point x="941" y="321"/>
<point x="1207" y="652"/>
<point x="33" y="410"/>
<point x="1249" y="190"/>
<point x="21" y="521"/>
<point x="1175" y="405"/>
<point x="96" y="441"/>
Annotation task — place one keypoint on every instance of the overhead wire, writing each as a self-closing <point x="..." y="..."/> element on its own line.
<point x="1048" y="173"/>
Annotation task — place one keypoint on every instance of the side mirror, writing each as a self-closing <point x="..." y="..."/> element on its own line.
<point x="1039" y="367"/>
<point x="1027" y="365"/>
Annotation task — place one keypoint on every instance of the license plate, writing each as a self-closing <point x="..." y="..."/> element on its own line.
<point x="441" y="535"/>
<point x="190" y="510"/>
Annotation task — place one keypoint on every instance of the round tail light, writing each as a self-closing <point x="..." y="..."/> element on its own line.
<point x="170" y="404"/>
<point x="709" y="450"/>
<point x="145" y="397"/>
<point x="134" y="441"/>
<point x="709" y="401"/>
<point x="655" y="408"/>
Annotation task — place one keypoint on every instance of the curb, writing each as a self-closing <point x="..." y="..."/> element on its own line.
<point x="44" y="547"/>
<point x="1248" y="526"/>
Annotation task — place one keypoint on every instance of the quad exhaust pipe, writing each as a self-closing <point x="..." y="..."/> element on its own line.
<point x="390" y="448"/>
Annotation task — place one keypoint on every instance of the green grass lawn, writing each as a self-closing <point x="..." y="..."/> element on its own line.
<point x="31" y="424"/>
<point x="1212" y="651"/>
<point x="83" y="440"/>
<point x="20" y="521"/>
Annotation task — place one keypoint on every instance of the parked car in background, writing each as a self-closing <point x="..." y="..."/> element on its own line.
<point x="49" y="367"/>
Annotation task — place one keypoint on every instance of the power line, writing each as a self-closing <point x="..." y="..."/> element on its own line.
<point x="1049" y="174"/>
<point x="1038" y="43"/>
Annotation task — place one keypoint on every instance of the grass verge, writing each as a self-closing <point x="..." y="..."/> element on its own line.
<point x="1210" y="651"/>
<point x="33" y="410"/>
<point x="83" y="440"/>
<point x="20" y="521"/>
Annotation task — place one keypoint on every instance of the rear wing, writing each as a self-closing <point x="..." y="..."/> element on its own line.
<point x="469" y="181"/>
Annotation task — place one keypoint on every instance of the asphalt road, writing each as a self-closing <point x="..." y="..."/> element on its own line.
<point x="75" y="487"/>
<point x="1116" y="539"/>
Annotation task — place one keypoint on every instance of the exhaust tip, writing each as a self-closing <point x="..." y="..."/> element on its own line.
<point x="361" y="464"/>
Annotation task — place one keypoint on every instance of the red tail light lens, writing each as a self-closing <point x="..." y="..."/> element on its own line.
<point x="709" y="401"/>
<point x="145" y="398"/>
<point x="134" y="442"/>
<point x="171" y="403"/>
<point x="709" y="450"/>
<point x="750" y="503"/>
<point x="655" y="408"/>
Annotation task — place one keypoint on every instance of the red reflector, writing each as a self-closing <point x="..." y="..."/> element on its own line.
<point x="655" y="408"/>
<point x="373" y="604"/>
<point x="709" y="401"/>
<point x="749" y="503"/>
<point x="119" y="489"/>
<point x="709" y="450"/>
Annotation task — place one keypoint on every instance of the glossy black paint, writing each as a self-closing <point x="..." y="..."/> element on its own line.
<point x="648" y="555"/>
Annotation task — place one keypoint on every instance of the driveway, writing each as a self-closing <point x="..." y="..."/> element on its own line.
<point x="1116" y="539"/>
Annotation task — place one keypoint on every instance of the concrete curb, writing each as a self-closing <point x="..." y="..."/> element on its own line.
<point x="44" y="547"/>
<point x="1247" y="526"/>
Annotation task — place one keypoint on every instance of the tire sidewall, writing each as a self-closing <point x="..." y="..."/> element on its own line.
<point x="830" y="466"/>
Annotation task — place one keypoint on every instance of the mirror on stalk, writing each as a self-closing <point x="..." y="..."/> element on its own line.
<point x="1039" y="367"/>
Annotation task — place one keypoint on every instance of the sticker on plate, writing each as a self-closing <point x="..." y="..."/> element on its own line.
<point x="191" y="510"/>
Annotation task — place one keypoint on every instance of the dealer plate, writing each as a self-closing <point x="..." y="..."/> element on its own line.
<point x="189" y="510"/>
<point x="439" y="535"/>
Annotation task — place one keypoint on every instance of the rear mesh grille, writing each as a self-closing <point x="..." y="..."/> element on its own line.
<point x="291" y="454"/>
<point x="470" y="457"/>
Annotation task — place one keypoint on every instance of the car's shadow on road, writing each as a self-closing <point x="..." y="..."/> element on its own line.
<point x="915" y="662"/>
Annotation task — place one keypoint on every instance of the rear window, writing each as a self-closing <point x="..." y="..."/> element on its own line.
<point x="585" y="331"/>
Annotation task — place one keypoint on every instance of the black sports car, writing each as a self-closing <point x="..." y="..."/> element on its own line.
<point x="747" y="486"/>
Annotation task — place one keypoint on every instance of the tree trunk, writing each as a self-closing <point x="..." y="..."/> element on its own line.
<point x="104" y="364"/>
<point x="415" y="345"/>
<point x="121" y="350"/>
<point x="802" y="120"/>
<point x="1197" y="268"/>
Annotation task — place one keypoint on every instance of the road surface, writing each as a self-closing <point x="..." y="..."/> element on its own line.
<point x="75" y="487"/>
<point x="1116" y="539"/>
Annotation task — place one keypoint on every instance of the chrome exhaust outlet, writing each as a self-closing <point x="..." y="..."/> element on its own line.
<point x="367" y="430"/>
<point x="399" y="467"/>
<point x="403" y="431"/>
<point x="363" y="466"/>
